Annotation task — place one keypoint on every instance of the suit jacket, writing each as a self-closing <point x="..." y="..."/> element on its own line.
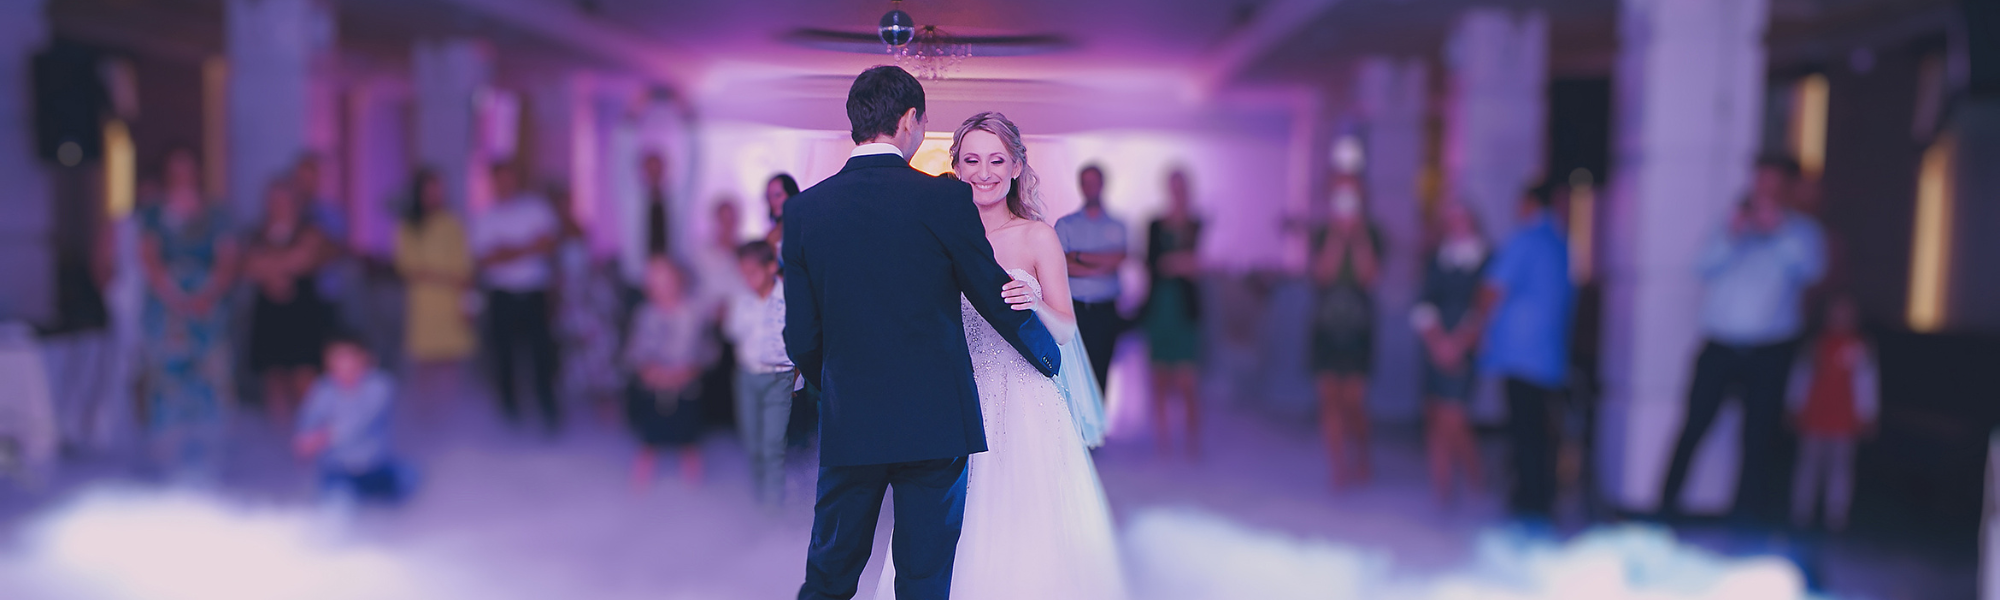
<point x="875" y="259"/>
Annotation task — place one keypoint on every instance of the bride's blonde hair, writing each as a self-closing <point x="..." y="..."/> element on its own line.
<point x="1024" y="195"/>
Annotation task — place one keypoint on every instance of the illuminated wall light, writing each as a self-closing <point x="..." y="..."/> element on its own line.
<point x="1930" y="253"/>
<point x="1809" y="117"/>
<point x="934" y="156"/>
<point x="215" y="125"/>
<point x="119" y="169"/>
<point x="1582" y="224"/>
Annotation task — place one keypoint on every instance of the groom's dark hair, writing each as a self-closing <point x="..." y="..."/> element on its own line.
<point x="878" y="100"/>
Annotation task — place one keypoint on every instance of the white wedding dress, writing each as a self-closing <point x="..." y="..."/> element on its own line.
<point x="1036" y="524"/>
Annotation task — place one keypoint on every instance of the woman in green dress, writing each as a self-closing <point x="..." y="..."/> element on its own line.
<point x="190" y="259"/>
<point x="1173" y="314"/>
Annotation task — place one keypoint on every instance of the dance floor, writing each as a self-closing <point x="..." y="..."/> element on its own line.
<point x="503" y="515"/>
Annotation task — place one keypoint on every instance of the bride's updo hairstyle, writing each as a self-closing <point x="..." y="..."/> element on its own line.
<point x="1024" y="195"/>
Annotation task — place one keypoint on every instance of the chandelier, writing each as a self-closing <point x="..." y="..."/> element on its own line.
<point x="925" y="52"/>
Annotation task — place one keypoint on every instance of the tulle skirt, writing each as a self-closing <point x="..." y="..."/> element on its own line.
<point x="1036" y="522"/>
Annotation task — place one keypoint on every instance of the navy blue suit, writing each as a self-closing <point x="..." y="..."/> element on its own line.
<point x="875" y="260"/>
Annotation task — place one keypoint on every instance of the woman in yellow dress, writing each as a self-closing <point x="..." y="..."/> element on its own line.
<point x="436" y="266"/>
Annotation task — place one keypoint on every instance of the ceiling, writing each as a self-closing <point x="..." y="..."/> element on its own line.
<point x="1207" y="46"/>
<point x="1116" y="35"/>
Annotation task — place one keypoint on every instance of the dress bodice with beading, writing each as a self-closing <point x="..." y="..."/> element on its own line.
<point x="1002" y="374"/>
<point x="1036" y="524"/>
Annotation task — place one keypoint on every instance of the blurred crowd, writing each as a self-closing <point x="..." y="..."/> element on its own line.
<point x="187" y="316"/>
<point x="186" y="313"/>
<point x="1781" y="336"/>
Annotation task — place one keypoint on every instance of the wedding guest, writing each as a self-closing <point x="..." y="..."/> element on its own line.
<point x="1524" y="315"/>
<point x="715" y="260"/>
<point x="1344" y="262"/>
<point x="190" y="262"/>
<point x="718" y="282"/>
<point x="659" y="208"/>
<point x="1095" y="244"/>
<point x="340" y="271"/>
<point x="78" y="347"/>
<point x="1173" y="313"/>
<point x="779" y="189"/>
<point x="765" y="376"/>
<point x="436" y="266"/>
<point x="666" y="352"/>
<point x="514" y="242"/>
<point x="1834" y="399"/>
<point x="1451" y="285"/>
<point x="805" y="406"/>
<point x="345" y="427"/>
<point x="1756" y="271"/>
<point x="113" y="419"/>
<point x="289" y="318"/>
<point x="588" y="303"/>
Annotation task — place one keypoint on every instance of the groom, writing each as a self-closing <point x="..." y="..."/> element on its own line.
<point x="875" y="259"/>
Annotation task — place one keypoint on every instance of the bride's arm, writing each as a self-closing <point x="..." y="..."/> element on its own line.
<point x="1052" y="269"/>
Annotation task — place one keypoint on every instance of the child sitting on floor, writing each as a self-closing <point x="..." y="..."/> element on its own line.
<point x="344" y="426"/>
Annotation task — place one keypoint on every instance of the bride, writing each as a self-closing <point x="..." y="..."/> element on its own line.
<point x="1036" y="524"/>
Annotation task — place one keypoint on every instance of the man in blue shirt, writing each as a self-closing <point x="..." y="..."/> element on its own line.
<point x="1756" y="273"/>
<point x="1095" y="244"/>
<point x="1524" y="315"/>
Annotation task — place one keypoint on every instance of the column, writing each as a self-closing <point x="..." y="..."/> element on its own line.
<point x="377" y="160"/>
<point x="447" y="76"/>
<point x="27" y="263"/>
<point x="1689" y="83"/>
<point x="280" y="99"/>
<point x="1495" y="123"/>
<point x="1392" y="98"/>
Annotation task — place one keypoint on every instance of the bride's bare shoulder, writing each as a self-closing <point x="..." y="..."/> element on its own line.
<point x="1037" y="233"/>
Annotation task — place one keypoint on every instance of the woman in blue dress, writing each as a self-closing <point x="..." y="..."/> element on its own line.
<point x="190" y="262"/>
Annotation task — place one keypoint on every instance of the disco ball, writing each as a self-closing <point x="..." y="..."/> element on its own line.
<point x="897" y="28"/>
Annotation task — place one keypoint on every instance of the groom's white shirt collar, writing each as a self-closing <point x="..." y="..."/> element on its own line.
<point x="875" y="148"/>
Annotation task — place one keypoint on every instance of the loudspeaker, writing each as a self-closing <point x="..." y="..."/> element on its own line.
<point x="70" y="103"/>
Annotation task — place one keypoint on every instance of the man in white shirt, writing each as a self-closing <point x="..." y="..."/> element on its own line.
<point x="765" y="377"/>
<point x="1756" y="272"/>
<point x="1095" y="244"/>
<point x="514" y="241"/>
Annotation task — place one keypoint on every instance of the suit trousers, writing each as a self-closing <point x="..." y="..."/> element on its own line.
<point x="521" y="322"/>
<point x="930" y="508"/>
<point x="1758" y="374"/>
<point x="1531" y="427"/>
<point x="1098" y="324"/>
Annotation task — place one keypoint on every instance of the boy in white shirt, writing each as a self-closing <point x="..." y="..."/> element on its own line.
<point x="765" y="376"/>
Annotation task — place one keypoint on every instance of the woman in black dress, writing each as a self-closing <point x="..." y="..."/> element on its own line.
<point x="1344" y="265"/>
<point x="289" y="321"/>
<point x="1452" y="281"/>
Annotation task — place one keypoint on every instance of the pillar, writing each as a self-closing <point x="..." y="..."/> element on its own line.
<point x="280" y="94"/>
<point x="447" y="75"/>
<point x="27" y="260"/>
<point x="1689" y="83"/>
<point x="378" y="163"/>
<point x="1496" y="119"/>
<point x="1392" y="99"/>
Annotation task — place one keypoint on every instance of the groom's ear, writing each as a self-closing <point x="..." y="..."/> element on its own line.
<point x="911" y="122"/>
